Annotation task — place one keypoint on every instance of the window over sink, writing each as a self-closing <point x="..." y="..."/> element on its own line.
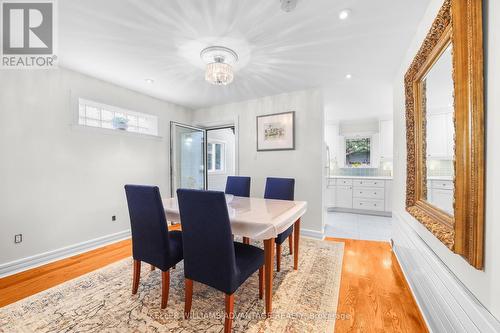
<point x="357" y="152"/>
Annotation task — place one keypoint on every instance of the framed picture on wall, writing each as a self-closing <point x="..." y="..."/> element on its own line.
<point x="276" y="131"/>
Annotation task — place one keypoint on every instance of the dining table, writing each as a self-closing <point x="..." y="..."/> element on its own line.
<point x="260" y="220"/>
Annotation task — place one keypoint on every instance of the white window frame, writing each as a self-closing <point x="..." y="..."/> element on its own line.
<point x="151" y="131"/>
<point x="211" y="168"/>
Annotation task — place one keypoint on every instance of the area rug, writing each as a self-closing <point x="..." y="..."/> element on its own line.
<point x="101" y="301"/>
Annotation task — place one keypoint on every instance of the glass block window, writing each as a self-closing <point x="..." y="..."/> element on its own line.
<point x="95" y="114"/>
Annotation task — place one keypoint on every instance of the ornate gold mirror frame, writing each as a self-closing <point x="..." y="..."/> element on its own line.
<point x="458" y="23"/>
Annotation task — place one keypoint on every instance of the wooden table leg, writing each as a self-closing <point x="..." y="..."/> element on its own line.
<point x="296" y="239"/>
<point x="268" y="274"/>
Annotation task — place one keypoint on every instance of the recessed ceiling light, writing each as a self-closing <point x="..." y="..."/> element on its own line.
<point x="348" y="76"/>
<point x="344" y="14"/>
<point x="149" y="81"/>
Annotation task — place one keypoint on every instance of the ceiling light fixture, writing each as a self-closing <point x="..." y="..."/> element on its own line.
<point x="348" y="76"/>
<point x="344" y="14"/>
<point x="219" y="60"/>
<point x="288" y="5"/>
<point x="149" y="81"/>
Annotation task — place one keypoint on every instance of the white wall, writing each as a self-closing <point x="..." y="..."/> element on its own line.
<point x="355" y="99"/>
<point x="61" y="185"/>
<point x="305" y="163"/>
<point x="482" y="284"/>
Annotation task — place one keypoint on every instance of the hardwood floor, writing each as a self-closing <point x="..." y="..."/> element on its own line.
<point x="24" y="284"/>
<point x="373" y="291"/>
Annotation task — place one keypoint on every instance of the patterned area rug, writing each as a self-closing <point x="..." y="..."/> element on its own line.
<point x="101" y="301"/>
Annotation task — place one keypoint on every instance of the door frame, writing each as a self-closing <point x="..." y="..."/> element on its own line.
<point x="225" y="123"/>
<point x="236" y="157"/>
<point x="205" y="174"/>
<point x="205" y="127"/>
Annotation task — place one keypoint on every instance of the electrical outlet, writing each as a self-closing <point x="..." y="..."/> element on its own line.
<point x="113" y="218"/>
<point x="18" y="238"/>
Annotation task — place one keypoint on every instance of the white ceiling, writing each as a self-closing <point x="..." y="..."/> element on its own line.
<point x="126" y="41"/>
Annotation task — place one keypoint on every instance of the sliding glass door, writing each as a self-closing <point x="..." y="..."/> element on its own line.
<point x="187" y="157"/>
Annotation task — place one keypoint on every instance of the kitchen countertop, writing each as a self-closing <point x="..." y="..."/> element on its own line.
<point x="361" y="177"/>
<point x="440" y="177"/>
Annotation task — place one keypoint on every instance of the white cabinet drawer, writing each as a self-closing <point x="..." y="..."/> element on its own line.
<point x="367" y="204"/>
<point x="344" y="182"/>
<point x="368" y="182"/>
<point x="442" y="184"/>
<point x="331" y="182"/>
<point x="368" y="193"/>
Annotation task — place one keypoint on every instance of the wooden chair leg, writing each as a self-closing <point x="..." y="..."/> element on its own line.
<point x="296" y="241"/>
<point x="165" y="285"/>
<point x="152" y="268"/>
<point x="290" y="243"/>
<point x="136" y="276"/>
<point x="261" y="282"/>
<point x="188" y="297"/>
<point x="246" y="240"/>
<point x="278" y="257"/>
<point x="228" y="322"/>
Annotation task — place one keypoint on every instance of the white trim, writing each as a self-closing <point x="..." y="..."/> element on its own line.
<point x="446" y="304"/>
<point x="312" y="234"/>
<point x="23" y="264"/>
<point x="108" y="131"/>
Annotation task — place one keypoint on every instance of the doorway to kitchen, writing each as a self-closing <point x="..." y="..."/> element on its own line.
<point x="201" y="158"/>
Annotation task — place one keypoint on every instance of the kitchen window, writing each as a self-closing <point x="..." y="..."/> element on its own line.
<point x="109" y="117"/>
<point x="216" y="157"/>
<point x="357" y="152"/>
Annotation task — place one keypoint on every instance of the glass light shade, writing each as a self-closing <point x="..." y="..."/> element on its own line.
<point x="219" y="73"/>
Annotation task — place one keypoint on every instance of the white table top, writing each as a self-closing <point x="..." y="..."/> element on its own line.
<point x="255" y="218"/>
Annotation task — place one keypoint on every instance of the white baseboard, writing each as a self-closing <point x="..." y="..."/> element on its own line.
<point x="446" y="304"/>
<point x="312" y="233"/>
<point x="23" y="264"/>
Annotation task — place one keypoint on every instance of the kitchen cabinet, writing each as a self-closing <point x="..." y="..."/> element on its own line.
<point x="344" y="196"/>
<point x="443" y="199"/>
<point x="388" y="196"/>
<point x="386" y="130"/>
<point x="360" y="195"/>
<point x="331" y="196"/>
<point x="440" y="194"/>
<point x="440" y="136"/>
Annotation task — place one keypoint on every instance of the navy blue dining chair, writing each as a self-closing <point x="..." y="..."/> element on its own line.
<point x="151" y="240"/>
<point x="210" y="254"/>
<point x="281" y="189"/>
<point x="238" y="186"/>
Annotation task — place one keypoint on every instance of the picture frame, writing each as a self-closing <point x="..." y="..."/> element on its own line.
<point x="276" y="131"/>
